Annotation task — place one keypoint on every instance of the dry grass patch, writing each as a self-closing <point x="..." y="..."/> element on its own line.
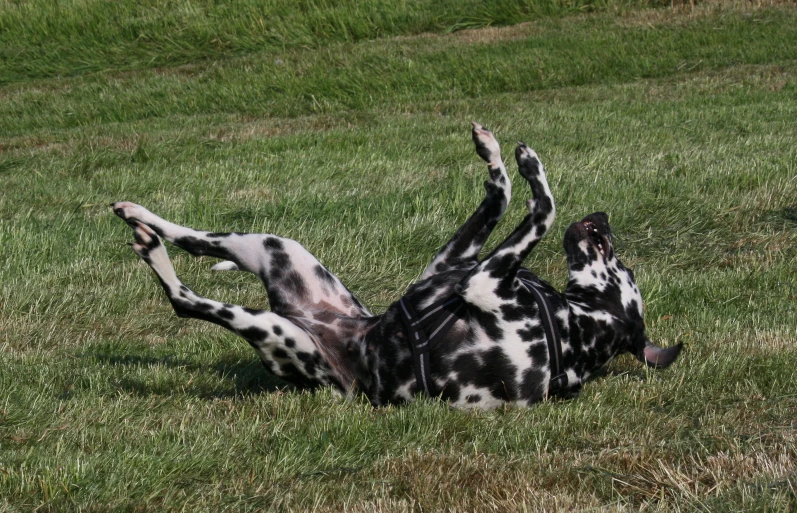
<point x="266" y="127"/>
<point x="690" y="10"/>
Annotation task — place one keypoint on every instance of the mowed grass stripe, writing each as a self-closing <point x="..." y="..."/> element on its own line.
<point x="390" y="73"/>
<point x="40" y="39"/>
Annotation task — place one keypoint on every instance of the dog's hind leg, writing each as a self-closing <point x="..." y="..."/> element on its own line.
<point x="285" y="349"/>
<point x="296" y="282"/>
<point x="492" y="278"/>
<point x="462" y="251"/>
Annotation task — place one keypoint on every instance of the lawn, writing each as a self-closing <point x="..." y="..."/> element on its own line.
<point x="345" y="125"/>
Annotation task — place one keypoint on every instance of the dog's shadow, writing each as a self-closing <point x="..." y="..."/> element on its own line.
<point x="238" y="377"/>
<point x="616" y="371"/>
<point x="248" y="377"/>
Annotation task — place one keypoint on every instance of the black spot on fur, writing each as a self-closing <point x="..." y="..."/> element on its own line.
<point x="496" y="374"/>
<point x="498" y="265"/>
<point x="532" y="385"/>
<point x="278" y="331"/>
<point x="541" y="217"/>
<point x="489" y="323"/>
<point x="324" y="275"/>
<point x="273" y="243"/>
<point x="253" y="333"/>
<point x="279" y="262"/>
<point x="198" y="246"/>
<point x="466" y="366"/>
<point x="513" y="312"/>
<point x="450" y="393"/>
<point x="225" y="314"/>
<point x="531" y="333"/>
<point x="294" y="283"/>
<point x="308" y="361"/>
<point x="538" y="353"/>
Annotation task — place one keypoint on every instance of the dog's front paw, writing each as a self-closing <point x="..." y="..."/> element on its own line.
<point x="486" y="145"/>
<point x="130" y="212"/>
<point x="528" y="162"/>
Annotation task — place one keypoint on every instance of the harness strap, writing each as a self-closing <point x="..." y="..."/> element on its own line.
<point x="554" y="338"/>
<point x="441" y="316"/>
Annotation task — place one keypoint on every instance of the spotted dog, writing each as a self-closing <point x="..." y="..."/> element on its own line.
<point x="496" y="345"/>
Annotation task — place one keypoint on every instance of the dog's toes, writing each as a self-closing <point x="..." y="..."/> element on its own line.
<point x="139" y="250"/>
<point x="486" y="145"/>
<point x="125" y="209"/>
<point x="146" y="241"/>
<point x="146" y="236"/>
<point x="523" y="152"/>
<point x="527" y="160"/>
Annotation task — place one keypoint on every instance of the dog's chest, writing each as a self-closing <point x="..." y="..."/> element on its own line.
<point x="486" y="358"/>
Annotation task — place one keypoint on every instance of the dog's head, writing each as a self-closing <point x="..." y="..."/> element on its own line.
<point x="605" y="298"/>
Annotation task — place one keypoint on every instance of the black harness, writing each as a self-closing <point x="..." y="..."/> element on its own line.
<point x="426" y="327"/>
<point x="558" y="375"/>
<point x="435" y="320"/>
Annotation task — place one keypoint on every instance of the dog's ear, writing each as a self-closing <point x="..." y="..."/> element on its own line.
<point x="658" y="357"/>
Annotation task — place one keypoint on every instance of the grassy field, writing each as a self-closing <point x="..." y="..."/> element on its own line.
<point x="345" y="125"/>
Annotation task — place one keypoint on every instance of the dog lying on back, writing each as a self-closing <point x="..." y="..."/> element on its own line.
<point x="473" y="333"/>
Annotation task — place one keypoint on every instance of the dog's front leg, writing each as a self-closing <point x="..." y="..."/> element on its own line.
<point x="462" y="251"/>
<point x="285" y="349"/>
<point x="487" y="283"/>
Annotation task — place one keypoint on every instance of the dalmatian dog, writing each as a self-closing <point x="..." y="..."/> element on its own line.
<point x="495" y="346"/>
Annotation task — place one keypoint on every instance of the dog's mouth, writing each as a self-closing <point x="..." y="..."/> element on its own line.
<point x="595" y="237"/>
<point x="594" y="229"/>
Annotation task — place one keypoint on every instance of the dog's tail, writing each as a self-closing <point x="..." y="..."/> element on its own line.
<point x="225" y="266"/>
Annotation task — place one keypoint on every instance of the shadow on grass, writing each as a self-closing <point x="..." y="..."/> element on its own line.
<point x="249" y="377"/>
<point x="238" y="377"/>
<point x="789" y="214"/>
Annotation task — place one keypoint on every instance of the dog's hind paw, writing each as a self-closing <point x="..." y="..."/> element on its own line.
<point x="146" y="241"/>
<point x="128" y="211"/>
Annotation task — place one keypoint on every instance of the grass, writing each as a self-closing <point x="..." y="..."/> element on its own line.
<point x="75" y="37"/>
<point x="679" y="122"/>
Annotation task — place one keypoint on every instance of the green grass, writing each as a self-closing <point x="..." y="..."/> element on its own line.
<point x="75" y="37"/>
<point x="354" y="140"/>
